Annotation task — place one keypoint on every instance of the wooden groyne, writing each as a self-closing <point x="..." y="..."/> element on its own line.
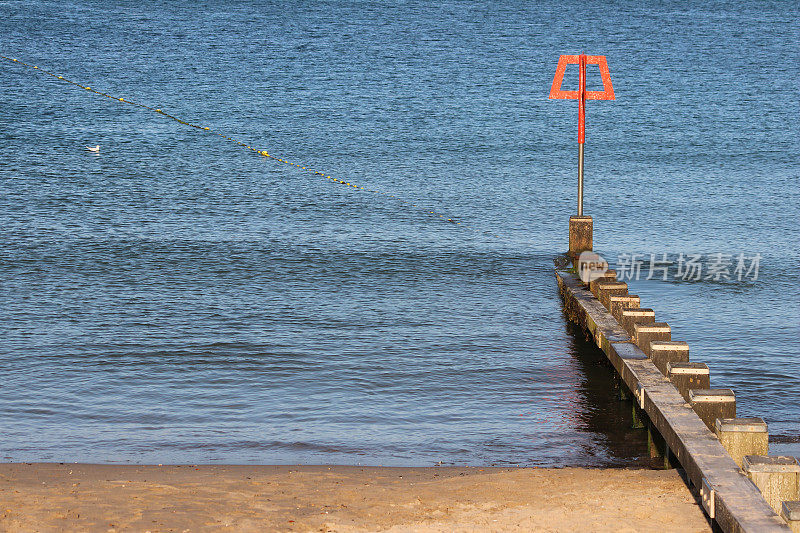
<point x="725" y="458"/>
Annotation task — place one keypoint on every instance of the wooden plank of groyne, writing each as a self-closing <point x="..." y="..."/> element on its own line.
<point x="733" y="501"/>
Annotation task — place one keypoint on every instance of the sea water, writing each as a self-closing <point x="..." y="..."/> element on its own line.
<point x="176" y="298"/>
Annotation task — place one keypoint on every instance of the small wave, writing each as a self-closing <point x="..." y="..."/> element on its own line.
<point x="295" y="446"/>
<point x="784" y="439"/>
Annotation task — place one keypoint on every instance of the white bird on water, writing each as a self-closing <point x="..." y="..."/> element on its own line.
<point x="95" y="149"/>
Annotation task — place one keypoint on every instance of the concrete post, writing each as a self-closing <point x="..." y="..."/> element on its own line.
<point x="636" y="316"/>
<point x="606" y="289"/>
<point x="644" y="334"/>
<point x="663" y="352"/>
<point x="688" y="376"/>
<point x="620" y="302"/>
<point x="790" y="511"/>
<point x="580" y="234"/>
<point x="775" y="476"/>
<point x="743" y="436"/>
<point x="710" y="404"/>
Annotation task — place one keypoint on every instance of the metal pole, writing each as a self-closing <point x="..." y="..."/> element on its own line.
<point x="581" y="126"/>
<point x="580" y="179"/>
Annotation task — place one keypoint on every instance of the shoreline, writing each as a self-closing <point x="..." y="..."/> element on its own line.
<point x="99" y="497"/>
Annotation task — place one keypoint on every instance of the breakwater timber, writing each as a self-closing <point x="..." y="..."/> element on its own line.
<point x="688" y="423"/>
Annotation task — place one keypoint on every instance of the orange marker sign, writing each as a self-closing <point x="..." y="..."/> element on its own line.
<point x="581" y="95"/>
<point x="556" y="93"/>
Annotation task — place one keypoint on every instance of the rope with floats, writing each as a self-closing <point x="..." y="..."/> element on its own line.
<point x="260" y="152"/>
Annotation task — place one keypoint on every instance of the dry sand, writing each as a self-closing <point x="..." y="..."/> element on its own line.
<point x="79" y="497"/>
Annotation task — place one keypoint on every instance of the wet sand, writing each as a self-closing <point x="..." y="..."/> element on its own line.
<point x="80" y="497"/>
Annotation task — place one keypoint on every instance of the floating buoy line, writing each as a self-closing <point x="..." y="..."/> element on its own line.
<point x="263" y="153"/>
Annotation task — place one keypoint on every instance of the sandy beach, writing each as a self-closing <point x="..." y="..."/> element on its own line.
<point x="81" y="497"/>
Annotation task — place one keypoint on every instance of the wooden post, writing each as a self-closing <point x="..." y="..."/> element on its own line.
<point x="775" y="476"/>
<point x="620" y="302"/>
<point x="664" y="352"/>
<point x="743" y="436"/>
<point x="710" y="404"/>
<point x="606" y="289"/>
<point x="636" y="316"/>
<point x="607" y="276"/>
<point x="643" y="334"/>
<point x="688" y="376"/>
<point x="790" y="511"/>
<point x="580" y="235"/>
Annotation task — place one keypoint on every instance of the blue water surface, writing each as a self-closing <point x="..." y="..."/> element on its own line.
<point x="179" y="299"/>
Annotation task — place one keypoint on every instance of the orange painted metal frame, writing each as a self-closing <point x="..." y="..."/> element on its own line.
<point x="581" y="95"/>
<point x="608" y="90"/>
